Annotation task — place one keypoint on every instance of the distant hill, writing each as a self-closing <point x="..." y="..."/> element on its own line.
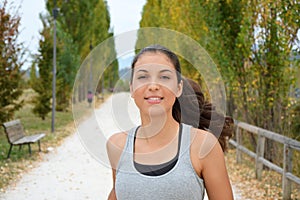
<point x="125" y="73"/>
<point x="125" y="66"/>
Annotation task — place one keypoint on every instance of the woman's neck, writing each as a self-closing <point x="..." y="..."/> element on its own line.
<point x="158" y="127"/>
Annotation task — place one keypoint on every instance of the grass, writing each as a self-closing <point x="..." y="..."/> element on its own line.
<point x="20" y="161"/>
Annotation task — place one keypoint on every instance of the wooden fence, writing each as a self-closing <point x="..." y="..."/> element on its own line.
<point x="289" y="145"/>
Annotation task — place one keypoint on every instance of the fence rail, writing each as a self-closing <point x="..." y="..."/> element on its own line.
<point x="289" y="145"/>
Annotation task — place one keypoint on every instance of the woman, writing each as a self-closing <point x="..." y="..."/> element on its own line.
<point x="162" y="158"/>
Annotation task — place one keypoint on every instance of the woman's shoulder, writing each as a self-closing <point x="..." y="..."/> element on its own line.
<point x="201" y="135"/>
<point x="204" y="142"/>
<point x="118" y="139"/>
<point x="115" y="145"/>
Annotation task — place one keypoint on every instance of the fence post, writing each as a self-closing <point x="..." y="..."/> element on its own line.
<point x="260" y="149"/>
<point x="239" y="143"/>
<point x="287" y="167"/>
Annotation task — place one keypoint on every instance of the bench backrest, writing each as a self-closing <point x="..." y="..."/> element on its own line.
<point x="13" y="130"/>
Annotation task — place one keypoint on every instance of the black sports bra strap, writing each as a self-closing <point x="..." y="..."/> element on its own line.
<point x="160" y="169"/>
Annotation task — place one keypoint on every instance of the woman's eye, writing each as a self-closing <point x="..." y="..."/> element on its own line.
<point x="165" y="77"/>
<point x="141" y="77"/>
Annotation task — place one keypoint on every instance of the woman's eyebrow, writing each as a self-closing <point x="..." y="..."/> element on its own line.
<point x="142" y="70"/>
<point x="165" y="70"/>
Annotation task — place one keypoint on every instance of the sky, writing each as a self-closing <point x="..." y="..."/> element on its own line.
<point x="30" y="24"/>
<point x="125" y="16"/>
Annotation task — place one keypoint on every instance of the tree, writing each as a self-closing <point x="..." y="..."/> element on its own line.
<point x="68" y="63"/>
<point x="278" y="24"/>
<point x="42" y="84"/>
<point x="83" y="24"/>
<point x="33" y="74"/>
<point x="10" y="64"/>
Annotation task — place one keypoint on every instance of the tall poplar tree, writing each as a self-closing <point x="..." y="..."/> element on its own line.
<point x="68" y="62"/>
<point x="42" y="84"/>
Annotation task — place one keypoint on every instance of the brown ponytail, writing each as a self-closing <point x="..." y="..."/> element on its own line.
<point x="192" y="108"/>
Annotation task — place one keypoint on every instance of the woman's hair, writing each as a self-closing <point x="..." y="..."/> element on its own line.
<point x="159" y="49"/>
<point x="194" y="110"/>
<point x="191" y="107"/>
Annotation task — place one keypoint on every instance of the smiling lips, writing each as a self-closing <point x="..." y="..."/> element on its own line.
<point x="154" y="100"/>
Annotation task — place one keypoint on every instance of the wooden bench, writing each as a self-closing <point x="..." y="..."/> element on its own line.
<point x="16" y="136"/>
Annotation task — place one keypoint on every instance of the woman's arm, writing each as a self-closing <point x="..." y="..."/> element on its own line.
<point x="112" y="194"/>
<point x="213" y="169"/>
<point x="114" y="146"/>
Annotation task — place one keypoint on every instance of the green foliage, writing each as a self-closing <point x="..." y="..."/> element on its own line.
<point x="33" y="74"/>
<point x="296" y="121"/>
<point x="269" y="75"/>
<point x="67" y="66"/>
<point x="81" y="26"/>
<point x="10" y="65"/>
<point x="85" y="21"/>
<point x="42" y="104"/>
<point x="184" y="16"/>
<point x="111" y="73"/>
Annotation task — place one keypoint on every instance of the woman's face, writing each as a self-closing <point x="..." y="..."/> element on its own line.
<point x="154" y="84"/>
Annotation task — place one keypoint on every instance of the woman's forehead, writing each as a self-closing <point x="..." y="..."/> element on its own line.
<point x="154" y="67"/>
<point x="153" y="59"/>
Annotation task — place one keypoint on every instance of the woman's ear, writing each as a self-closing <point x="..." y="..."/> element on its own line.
<point x="179" y="89"/>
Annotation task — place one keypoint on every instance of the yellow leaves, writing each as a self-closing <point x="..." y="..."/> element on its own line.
<point x="254" y="83"/>
<point x="205" y="28"/>
<point x="175" y="13"/>
<point x="243" y="179"/>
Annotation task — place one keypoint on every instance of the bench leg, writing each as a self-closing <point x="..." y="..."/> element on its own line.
<point x="9" y="150"/>
<point x="29" y="148"/>
<point x="39" y="145"/>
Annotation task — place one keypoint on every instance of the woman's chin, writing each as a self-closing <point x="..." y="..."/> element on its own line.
<point x="157" y="110"/>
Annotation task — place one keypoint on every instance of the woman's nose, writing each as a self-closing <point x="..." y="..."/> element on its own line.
<point x="153" y="86"/>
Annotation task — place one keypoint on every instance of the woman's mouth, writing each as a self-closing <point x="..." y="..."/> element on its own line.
<point x="154" y="100"/>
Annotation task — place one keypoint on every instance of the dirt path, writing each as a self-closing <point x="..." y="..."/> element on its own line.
<point x="70" y="172"/>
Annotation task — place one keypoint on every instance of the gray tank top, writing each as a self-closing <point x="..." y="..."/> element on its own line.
<point x="181" y="182"/>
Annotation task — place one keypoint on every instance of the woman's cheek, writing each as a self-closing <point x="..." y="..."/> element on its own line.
<point x="172" y="88"/>
<point x="136" y="85"/>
